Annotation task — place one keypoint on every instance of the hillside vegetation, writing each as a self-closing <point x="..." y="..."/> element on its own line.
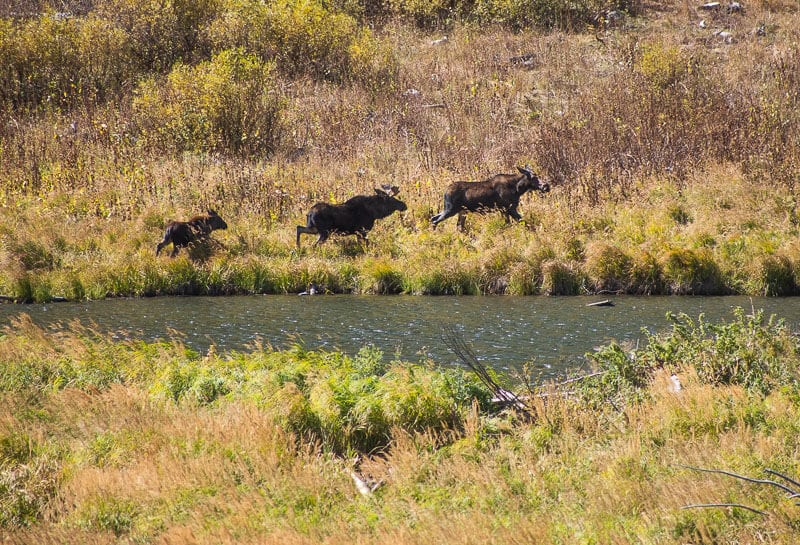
<point x="669" y="134"/>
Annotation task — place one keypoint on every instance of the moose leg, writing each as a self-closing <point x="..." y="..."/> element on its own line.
<point x="323" y="236"/>
<point x="512" y="212"/>
<point x="462" y="219"/>
<point x="441" y="216"/>
<point x="167" y="240"/>
<point x="361" y="235"/>
<point x="307" y="230"/>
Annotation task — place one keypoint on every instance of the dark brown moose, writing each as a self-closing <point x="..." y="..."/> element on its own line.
<point x="500" y="192"/>
<point x="356" y="216"/>
<point x="183" y="233"/>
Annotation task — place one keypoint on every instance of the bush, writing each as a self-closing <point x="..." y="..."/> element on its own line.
<point x="773" y="276"/>
<point x="608" y="268"/>
<point x="752" y="352"/>
<point x="757" y="354"/>
<point x="687" y="272"/>
<point x="161" y="33"/>
<point x="40" y="60"/>
<point x="569" y="15"/>
<point x="228" y="104"/>
<point x="560" y="278"/>
<point x="57" y="62"/>
<point x="303" y="37"/>
<point x="379" y="276"/>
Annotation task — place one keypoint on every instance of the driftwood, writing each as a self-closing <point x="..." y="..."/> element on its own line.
<point x="791" y="492"/>
<point x="604" y="303"/>
<point x="455" y="342"/>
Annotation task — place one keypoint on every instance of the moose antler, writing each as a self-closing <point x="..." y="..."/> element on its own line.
<point x="390" y="190"/>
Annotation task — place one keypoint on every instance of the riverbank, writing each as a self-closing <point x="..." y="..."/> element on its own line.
<point x="106" y="440"/>
<point x="716" y="234"/>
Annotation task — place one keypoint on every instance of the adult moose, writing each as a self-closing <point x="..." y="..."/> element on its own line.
<point x="500" y="192"/>
<point x="356" y="216"/>
<point x="183" y="233"/>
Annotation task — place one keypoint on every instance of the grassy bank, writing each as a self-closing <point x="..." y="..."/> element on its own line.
<point x="717" y="234"/>
<point x="672" y="148"/>
<point x="107" y="440"/>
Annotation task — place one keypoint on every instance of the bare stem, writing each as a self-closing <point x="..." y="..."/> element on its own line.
<point x="740" y="506"/>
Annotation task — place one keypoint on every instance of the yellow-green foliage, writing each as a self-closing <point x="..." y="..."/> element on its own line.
<point x="303" y="37"/>
<point x="665" y="179"/>
<point x="55" y="60"/>
<point x="226" y="104"/>
<point x="160" y="32"/>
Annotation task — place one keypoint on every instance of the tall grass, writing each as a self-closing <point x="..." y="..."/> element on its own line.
<point x="106" y="440"/>
<point x="673" y="155"/>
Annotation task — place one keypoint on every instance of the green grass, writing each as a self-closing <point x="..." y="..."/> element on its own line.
<point x="105" y="439"/>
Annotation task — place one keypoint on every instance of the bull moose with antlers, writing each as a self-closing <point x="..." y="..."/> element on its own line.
<point x="356" y="216"/>
<point x="500" y="192"/>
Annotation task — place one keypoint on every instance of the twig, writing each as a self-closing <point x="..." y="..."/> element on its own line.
<point x="582" y="377"/>
<point x="740" y="506"/>
<point x="782" y="476"/>
<point x="455" y="342"/>
<point x="742" y="477"/>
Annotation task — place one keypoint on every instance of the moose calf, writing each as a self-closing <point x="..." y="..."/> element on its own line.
<point x="183" y="233"/>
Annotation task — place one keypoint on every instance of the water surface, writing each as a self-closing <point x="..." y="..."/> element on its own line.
<point x="553" y="333"/>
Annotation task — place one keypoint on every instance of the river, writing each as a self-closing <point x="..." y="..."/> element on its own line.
<point x="551" y="334"/>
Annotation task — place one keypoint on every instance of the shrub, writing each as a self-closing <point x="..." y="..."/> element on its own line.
<point x="751" y="351"/>
<point x="758" y="354"/>
<point x="56" y="61"/>
<point x="228" y="104"/>
<point x="622" y="380"/>
<point x="560" y="278"/>
<point x="354" y="403"/>
<point x="33" y="255"/>
<point x="40" y="60"/>
<point x="380" y="277"/>
<point x="646" y="273"/>
<point x="161" y="33"/>
<point x="687" y="272"/>
<point x="608" y="268"/>
<point x="773" y="275"/>
<point x="303" y="37"/>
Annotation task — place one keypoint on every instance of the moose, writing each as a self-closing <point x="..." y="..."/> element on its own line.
<point x="184" y="233"/>
<point x="356" y="216"/>
<point x="500" y="192"/>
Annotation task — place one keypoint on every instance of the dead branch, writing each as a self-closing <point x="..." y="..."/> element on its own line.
<point x="784" y="477"/>
<point x="740" y="506"/>
<point x="742" y="477"/>
<point x="791" y="493"/>
<point x="455" y="342"/>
